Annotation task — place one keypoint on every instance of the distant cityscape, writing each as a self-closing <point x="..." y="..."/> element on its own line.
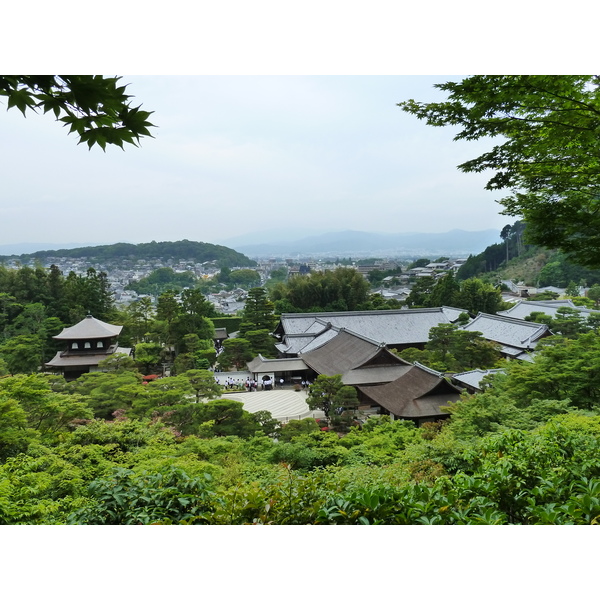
<point x="121" y="272"/>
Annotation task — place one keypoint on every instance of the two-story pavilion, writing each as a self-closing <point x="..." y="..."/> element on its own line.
<point x="87" y="343"/>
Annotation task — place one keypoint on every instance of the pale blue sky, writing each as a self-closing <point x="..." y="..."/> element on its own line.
<point x="234" y="154"/>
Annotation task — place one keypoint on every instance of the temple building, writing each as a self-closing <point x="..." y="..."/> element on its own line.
<point x="87" y="343"/>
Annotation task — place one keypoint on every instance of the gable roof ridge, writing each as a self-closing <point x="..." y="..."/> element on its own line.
<point x="507" y="319"/>
<point x="360" y="336"/>
<point x="486" y="371"/>
<point x="324" y="315"/>
<point x="378" y="350"/>
<point x="428" y="369"/>
<point x="89" y="327"/>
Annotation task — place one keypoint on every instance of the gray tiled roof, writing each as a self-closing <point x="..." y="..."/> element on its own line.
<point x="514" y="333"/>
<point x="317" y="327"/>
<point x="473" y="378"/>
<point x="318" y="341"/>
<point x="294" y="344"/>
<point x="452" y="313"/>
<point x="523" y="308"/>
<point x="89" y="328"/>
<point x="260" y="364"/>
<point x="391" y="327"/>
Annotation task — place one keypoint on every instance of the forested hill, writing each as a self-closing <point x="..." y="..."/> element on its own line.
<point x="528" y="263"/>
<point x="184" y="249"/>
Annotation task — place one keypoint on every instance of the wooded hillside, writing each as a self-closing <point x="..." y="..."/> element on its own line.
<point x="184" y="249"/>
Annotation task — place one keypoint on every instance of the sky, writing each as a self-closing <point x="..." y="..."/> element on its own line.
<point x="238" y="155"/>
<point x="273" y="119"/>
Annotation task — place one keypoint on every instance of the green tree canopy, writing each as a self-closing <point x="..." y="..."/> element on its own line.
<point x="48" y="411"/>
<point x="339" y="290"/>
<point x="94" y="107"/>
<point x="328" y="393"/>
<point x="22" y="353"/>
<point x="108" y="392"/>
<point x="161" y="280"/>
<point x="451" y="349"/>
<point x="236" y="353"/>
<point x="546" y="154"/>
<point x="258" y="312"/>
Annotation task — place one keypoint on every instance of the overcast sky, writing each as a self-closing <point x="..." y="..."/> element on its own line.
<point x="245" y="154"/>
<point x="236" y="154"/>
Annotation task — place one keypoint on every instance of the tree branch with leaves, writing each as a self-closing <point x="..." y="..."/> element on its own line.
<point x="546" y="156"/>
<point x="94" y="107"/>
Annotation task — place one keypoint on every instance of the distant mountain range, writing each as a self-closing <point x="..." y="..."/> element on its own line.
<point x="354" y="243"/>
<point x="455" y="243"/>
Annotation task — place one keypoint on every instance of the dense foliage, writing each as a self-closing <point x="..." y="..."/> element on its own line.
<point x="161" y="280"/>
<point x="547" y="155"/>
<point x="523" y="451"/>
<point x="342" y="289"/>
<point x="453" y="350"/>
<point x="258" y="321"/>
<point x="182" y="250"/>
<point x="36" y="303"/>
<point x="553" y="268"/>
<point x="473" y="295"/>
<point x="94" y="107"/>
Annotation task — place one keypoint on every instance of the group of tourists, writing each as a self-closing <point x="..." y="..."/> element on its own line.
<point x="252" y="385"/>
<point x="231" y="383"/>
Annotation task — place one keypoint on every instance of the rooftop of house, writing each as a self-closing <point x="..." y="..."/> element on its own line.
<point x="349" y="351"/>
<point x="260" y="364"/>
<point x="472" y="379"/>
<point x="67" y="359"/>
